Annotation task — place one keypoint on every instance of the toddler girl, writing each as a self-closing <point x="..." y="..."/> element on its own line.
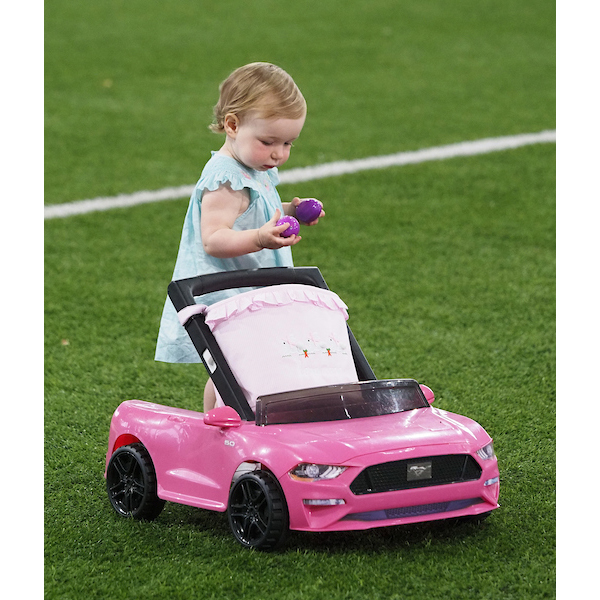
<point x="231" y="219"/>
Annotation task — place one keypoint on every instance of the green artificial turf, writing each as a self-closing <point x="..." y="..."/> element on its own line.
<point x="130" y="85"/>
<point x="449" y="275"/>
<point x="448" y="269"/>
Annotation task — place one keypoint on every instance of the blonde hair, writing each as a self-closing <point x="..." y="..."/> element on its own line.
<point x="261" y="87"/>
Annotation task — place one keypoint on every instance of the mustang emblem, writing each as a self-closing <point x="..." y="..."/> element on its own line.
<point x="418" y="470"/>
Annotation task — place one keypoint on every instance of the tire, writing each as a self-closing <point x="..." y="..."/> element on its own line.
<point x="131" y="483"/>
<point x="257" y="511"/>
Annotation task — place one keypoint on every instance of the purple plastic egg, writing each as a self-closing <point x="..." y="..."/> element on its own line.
<point x="293" y="229"/>
<point x="308" y="210"/>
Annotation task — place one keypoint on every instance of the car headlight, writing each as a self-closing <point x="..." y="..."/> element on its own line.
<point x="312" y="472"/>
<point x="486" y="452"/>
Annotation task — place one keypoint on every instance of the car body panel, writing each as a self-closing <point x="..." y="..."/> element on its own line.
<point x="195" y="462"/>
<point x="430" y="461"/>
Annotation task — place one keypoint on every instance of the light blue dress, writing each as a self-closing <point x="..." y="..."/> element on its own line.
<point x="174" y="344"/>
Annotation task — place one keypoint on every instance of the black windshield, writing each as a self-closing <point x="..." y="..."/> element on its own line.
<point x="338" y="402"/>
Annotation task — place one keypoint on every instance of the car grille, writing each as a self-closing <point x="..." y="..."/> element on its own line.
<point x="416" y="473"/>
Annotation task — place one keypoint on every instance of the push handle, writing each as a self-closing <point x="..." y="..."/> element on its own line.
<point x="182" y="291"/>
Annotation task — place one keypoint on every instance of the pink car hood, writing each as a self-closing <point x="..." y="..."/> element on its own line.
<point x="341" y="441"/>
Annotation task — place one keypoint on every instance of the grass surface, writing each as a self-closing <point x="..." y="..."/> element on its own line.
<point x="130" y="85"/>
<point x="455" y="290"/>
<point x="447" y="267"/>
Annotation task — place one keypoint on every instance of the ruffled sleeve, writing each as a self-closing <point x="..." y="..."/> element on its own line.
<point x="222" y="169"/>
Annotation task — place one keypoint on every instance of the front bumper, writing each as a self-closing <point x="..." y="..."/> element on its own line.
<point x="355" y="512"/>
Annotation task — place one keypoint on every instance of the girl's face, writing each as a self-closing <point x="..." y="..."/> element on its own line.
<point x="260" y="144"/>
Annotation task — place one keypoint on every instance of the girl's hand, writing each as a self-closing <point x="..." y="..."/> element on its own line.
<point x="269" y="235"/>
<point x="220" y="209"/>
<point x="296" y="201"/>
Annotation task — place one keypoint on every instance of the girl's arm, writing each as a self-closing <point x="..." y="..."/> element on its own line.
<point x="220" y="209"/>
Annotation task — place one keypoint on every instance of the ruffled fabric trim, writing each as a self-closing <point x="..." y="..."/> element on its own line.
<point x="185" y="314"/>
<point x="238" y="178"/>
<point x="280" y="295"/>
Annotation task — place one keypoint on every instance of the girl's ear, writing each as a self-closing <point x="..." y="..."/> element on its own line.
<point x="231" y="123"/>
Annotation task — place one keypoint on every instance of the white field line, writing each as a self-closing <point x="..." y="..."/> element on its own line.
<point x="332" y="169"/>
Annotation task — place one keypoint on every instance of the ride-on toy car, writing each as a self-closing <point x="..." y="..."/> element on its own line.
<point x="304" y="436"/>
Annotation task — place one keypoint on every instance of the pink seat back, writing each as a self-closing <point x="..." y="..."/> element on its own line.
<point x="283" y="338"/>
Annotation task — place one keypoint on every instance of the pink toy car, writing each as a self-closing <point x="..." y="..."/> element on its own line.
<point x="304" y="436"/>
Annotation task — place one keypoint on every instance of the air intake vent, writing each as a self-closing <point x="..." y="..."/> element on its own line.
<point x="416" y="473"/>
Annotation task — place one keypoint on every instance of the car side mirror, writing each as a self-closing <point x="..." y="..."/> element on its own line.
<point x="429" y="395"/>
<point x="222" y="416"/>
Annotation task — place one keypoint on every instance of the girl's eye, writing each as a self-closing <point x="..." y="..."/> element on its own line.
<point x="266" y="143"/>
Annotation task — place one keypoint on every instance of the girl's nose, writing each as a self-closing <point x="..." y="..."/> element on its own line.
<point x="277" y="153"/>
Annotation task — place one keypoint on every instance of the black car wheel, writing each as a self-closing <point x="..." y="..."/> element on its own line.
<point x="257" y="511"/>
<point x="131" y="483"/>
